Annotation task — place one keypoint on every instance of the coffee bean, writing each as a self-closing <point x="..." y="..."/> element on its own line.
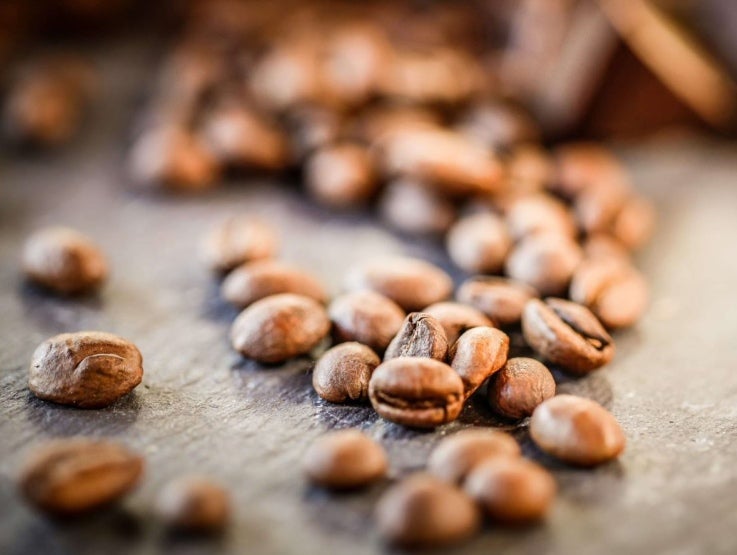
<point x="597" y="206"/>
<point x="456" y="318"/>
<point x="410" y="282"/>
<point x="375" y="123"/>
<point x="342" y="374"/>
<point x="479" y="243"/>
<point x="546" y="262"/>
<point x="255" y="280"/>
<point x="566" y="334"/>
<point x="520" y="386"/>
<point x="603" y="245"/>
<point x="581" y="165"/>
<point x="633" y="225"/>
<point x="279" y="327"/>
<point x="477" y="354"/>
<point x="194" y="504"/>
<point x="457" y="455"/>
<point x="414" y="208"/>
<point x="238" y="240"/>
<point x="502" y="300"/>
<point x="529" y="168"/>
<point x="576" y="430"/>
<point x="366" y="317"/>
<point x="312" y="127"/>
<point x="77" y="475"/>
<point x="341" y="175"/>
<point x="512" y="490"/>
<point x="422" y="511"/>
<point x="85" y="369"/>
<point x="64" y="261"/>
<point x="421" y="335"/>
<point x="539" y="214"/>
<point x="497" y="124"/>
<point x="417" y="392"/>
<point x="346" y="459"/>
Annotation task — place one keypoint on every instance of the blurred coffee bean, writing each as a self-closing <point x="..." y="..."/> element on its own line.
<point x="374" y="123"/>
<point x="501" y="299"/>
<point x="479" y="243"/>
<point x="497" y="124"/>
<point x="599" y="204"/>
<point x="238" y="240"/>
<point x="194" y="504"/>
<point x="544" y="261"/>
<point x="341" y="175"/>
<point x="311" y="127"/>
<point x="456" y="318"/>
<point x="633" y="225"/>
<point x="539" y="214"/>
<point x="582" y="165"/>
<point x="602" y="245"/>
<point x="367" y="317"/>
<point x="345" y="459"/>
<point x="529" y="169"/>
<point x="414" y="208"/>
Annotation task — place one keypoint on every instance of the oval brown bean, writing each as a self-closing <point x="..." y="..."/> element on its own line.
<point x="502" y="300"/>
<point x="366" y="317"/>
<point x="456" y="318"/>
<point x="478" y="354"/>
<point x="238" y="240"/>
<point x="421" y="335"/>
<point x="479" y="243"/>
<point x="520" y="386"/>
<point x="546" y="262"/>
<point x="343" y="373"/>
<point x="194" y="504"/>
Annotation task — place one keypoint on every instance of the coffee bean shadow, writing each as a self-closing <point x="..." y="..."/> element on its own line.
<point x="215" y="308"/>
<point x="56" y="314"/>
<point x="183" y="541"/>
<point x="594" y="386"/>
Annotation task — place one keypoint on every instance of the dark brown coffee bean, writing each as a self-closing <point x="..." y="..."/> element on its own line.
<point x="633" y="225"/>
<point x="414" y="208"/>
<point x="255" y="280"/>
<point x="457" y="455"/>
<point x="367" y="317"/>
<point x="566" y="334"/>
<point x="346" y="459"/>
<point x="576" y="430"/>
<point x="410" y="282"/>
<point x="279" y="327"/>
<point x="194" y="504"/>
<point x="520" y="386"/>
<point x="421" y="335"/>
<point x="77" y="475"/>
<point x="238" y="240"/>
<point x="539" y="214"/>
<point x="423" y="511"/>
<point x="456" y="318"/>
<point x="511" y="490"/>
<point x="64" y="261"/>
<point x="341" y="175"/>
<point x="546" y="262"/>
<point x="477" y="354"/>
<point x="342" y="374"/>
<point x="85" y="369"/>
<point x="502" y="300"/>
<point x="498" y="124"/>
<point x="479" y="243"/>
<point x="417" y="392"/>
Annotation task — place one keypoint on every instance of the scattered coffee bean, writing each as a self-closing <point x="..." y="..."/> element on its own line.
<point x="530" y="169"/>
<point x="566" y="334"/>
<point x="539" y="214"/>
<point x="520" y="386"/>
<point x="581" y="165"/>
<point x="546" y="262"/>
<point x="85" y="369"/>
<point x="634" y="224"/>
<point x="73" y="476"/>
<point x="64" y="261"/>
<point x="238" y="240"/>
<point x="341" y="175"/>
<point x="342" y="374"/>
<point x="501" y="299"/>
<point x="479" y="243"/>
<point x="417" y="392"/>
<point x="478" y="353"/>
<point x="456" y="318"/>
<point x="377" y="122"/>
<point x="194" y="504"/>
<point x="597" y="205"/>
<point x="421" y="335"/>
<point x="414" y="208"/>
<point x="603" y="245"/>
<point x="366" y="317"/>
<point x="279" y="327"/>
<point x="346" y="459"/>
<point x="576" y="430"/>
<point x="498" y="124"/>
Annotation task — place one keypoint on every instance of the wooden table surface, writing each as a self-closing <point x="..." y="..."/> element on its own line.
<point x="201" y="408"/>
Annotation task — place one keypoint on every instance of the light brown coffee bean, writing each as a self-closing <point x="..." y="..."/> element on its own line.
<point x="520" y="386"/>
<point x="576" y="430"/>
<point x="423" y="511"/>
<point x="479" y="243"/>
<point x="341" y="175"/>
<point x="539" y="214"/>
<point x="545" y="262"/>
<point x="457" y="318"/>
<point x="64" y="261"/>
<point x="279" y="327"/>
<point x="346" y="459"/>
<point x="194" y="504"/>
<point x="581" y="165"/>
<point x="603" y="245"/>
<point x="529" y="169"/>
<point x="77" y="475"/>
<point x="375" y="123"/>
<point x="85" y="369"/>
<point x="498" y="124"/>
<point x="421" y="335"/>
<point x="501" y="299"/>
<point x="366" y="317"/>
<point x="597" y="206"/>
<point x="416" y="209"/>
<point x="634" y="224"/>
<point x="478" y="353"/>
<point x="238" y="240"/>
<point x="342" y="374"/>
<point x="457" y="455"/>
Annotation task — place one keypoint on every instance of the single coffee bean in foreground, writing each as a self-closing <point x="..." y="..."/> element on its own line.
<point x="566" y="334"/>
<point x="457" y="455"/>
<point x="72" y="476"/>
<point x="519" y="387"/>
<point x="279" y="327"/>
<point x="366" y="317"/>
<point x="194" y="504"/>
<point x="424" y="511"/>
<point x="479" y="243"/>
<point x="416" y="392"/>
<point x="500" y="299"/>
<point x="85" y="369"/>
<point x="64" y="261"/>
<point x="457" y="318"/>
<point x="342" y="374"/>
<point x="421" y="335"/>
<point x="477" y="354"/>
<point x="576" y="430"/>
<point x="346" y="459"/>
<point x="545" y="262"/>
<point x="238" y="240"/>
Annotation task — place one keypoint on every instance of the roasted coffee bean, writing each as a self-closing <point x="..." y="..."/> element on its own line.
<point x="581" y="165"/>
<point x="520" y="386"/>
<point x="367" y="317"/>
<point x="194" y="504"/>
<point x="279" y="327"/>
<point x="375" y="123"/>
<point x="346" y="459"/>
<point x="479" y="243"/>
<point x="423" y="511"/>
<point x="255" y="280"/>
<point x="477" y="354"/>
<point x="502" y="300"/>
<point x="529" y="169"/>
<point x="341" y="175"/>
<point x="64" y="261"/>
<point x="597" y="206"/>
<point x="342" y="374"/>
<point x="238" y="240"/>
<point x="456" y="318"/>
<point x="417" y="392"/>
<point x="85" y="369"/>
<point x="77" y="475"/>
<point x="421" y="335"/>
<point x="603" y="245"/>
<point x="457" y="455"/>
<point x="312" y="127"/>
<point x="511" y="490"/>
<point x="634" y="224"/>
<point x="566" y="334"/>
<point x="576" y="430"/>
<point x="546" y="262"/>
<point x="414" y="208"/>
<point x="539" y="214"/>
<point x="410" y="282"/>
<point x="499" y="125"/>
